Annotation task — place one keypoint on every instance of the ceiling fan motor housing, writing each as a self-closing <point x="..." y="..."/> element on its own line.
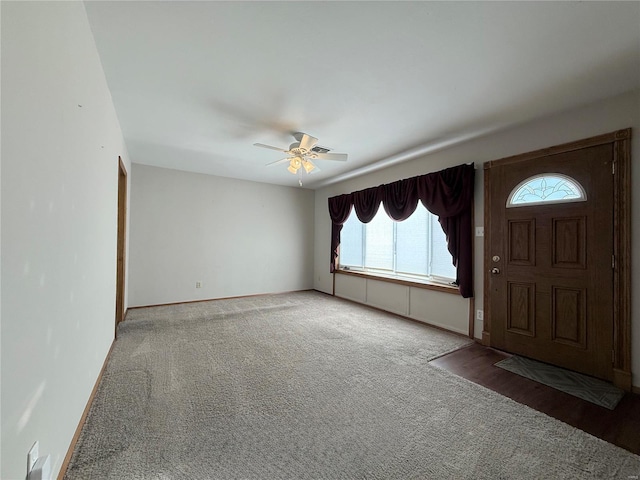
<point x="302" y="156"/>
<point x="295" y="149"/>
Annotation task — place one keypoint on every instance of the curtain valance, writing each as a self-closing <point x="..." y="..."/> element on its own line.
<point x="447" y="194"/>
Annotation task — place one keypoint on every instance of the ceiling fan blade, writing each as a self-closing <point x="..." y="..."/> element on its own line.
<point x="278" y="162"/>
<point x="341" y="157"/>
<point x="308" y="142"/>
<point x="262" y="145"/>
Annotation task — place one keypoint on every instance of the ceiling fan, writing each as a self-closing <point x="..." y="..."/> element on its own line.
<point x="302" y="153"/>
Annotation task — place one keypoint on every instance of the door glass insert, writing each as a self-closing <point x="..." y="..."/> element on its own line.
<point x="546" y="188"/>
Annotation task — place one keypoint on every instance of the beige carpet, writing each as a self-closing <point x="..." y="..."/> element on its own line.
<point x="305" y="386"/>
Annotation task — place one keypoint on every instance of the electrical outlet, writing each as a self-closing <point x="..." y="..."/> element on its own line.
<point x="32" y="456"/>
<point x="479" y="315"/>
<point x="198" y="284"/>
<point x="479" y="231"/>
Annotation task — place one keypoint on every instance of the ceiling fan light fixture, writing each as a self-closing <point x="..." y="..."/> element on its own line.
<point x="308" y="166"/>
<point x="301" y="153"/>
<point x="295" y="164"/>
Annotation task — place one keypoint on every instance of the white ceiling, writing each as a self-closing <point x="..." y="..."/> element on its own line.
<point x="196" y="84"/>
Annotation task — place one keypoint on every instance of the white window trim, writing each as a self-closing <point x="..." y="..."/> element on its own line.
<point x="414" y="283"/>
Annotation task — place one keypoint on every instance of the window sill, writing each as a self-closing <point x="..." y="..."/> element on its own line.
<point x="439" y="287"/>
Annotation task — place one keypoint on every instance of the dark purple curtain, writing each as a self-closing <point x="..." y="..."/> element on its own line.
<point x="339" y="210"/>
<point x="367" y="202"/>
<point x="447" y="194"/>
<point x="400" y="198"/>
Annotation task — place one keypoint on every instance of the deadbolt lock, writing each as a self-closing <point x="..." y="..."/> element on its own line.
<point x="495" y="258"/>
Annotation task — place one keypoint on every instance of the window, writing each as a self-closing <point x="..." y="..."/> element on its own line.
<point x="415" y="249"/>
<point x="547" y="188"/>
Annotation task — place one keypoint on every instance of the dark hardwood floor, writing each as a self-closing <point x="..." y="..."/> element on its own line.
<point x="620" y="426"/>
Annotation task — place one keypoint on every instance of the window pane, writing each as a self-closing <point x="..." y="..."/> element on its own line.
<point x="351" y="242"/>
<point x="441" y="260"/>
<point x="420" y="245"/>
<point x="547" y="188"/>
<point x="379" y="242"/>
<point x="412" y="241"/>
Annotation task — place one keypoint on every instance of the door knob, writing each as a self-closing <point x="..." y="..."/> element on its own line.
<point x="495" y="270"/>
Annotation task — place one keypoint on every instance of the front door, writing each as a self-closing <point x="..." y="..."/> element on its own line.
<point x="551" y="280"/>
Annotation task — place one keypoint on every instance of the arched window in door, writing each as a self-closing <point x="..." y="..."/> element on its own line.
<point x="546" y="188"/>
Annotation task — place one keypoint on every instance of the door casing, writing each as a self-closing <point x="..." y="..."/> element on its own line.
<point x="621" y="143"/>
<point x="121" y="243"/>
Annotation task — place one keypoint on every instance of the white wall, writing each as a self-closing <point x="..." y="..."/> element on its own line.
<point x="59" y="226"/>
<point x="234" y="236"/>
<point x="602" y="117"/>
<point x="420" y="304"/>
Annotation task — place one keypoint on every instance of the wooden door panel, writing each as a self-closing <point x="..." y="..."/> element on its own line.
<point x="569" y="316"/>
<point x="568" y="242"/>
<point x="521" y="310"/>
<point x="522" y="242"/>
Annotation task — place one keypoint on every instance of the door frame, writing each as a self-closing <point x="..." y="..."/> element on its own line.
<point x="621" y="142"/>
<point x="121" y="243"/>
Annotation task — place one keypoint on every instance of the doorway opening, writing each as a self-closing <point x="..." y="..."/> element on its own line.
<point x="122" y="238"/>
